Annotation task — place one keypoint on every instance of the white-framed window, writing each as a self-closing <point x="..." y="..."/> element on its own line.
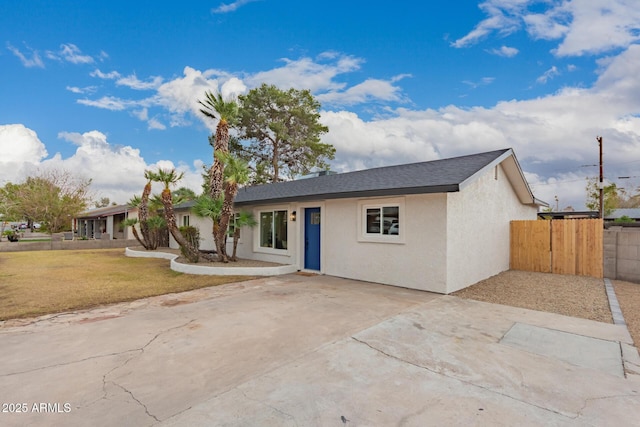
<point x="185" y="220"/>
<point x="381" y="220"/>
<point x="273" y="229"/>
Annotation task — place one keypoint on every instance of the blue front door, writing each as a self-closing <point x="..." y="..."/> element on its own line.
<point x="312" y="239"/>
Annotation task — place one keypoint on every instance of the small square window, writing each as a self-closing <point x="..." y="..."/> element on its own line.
<point x="380" y="220"/>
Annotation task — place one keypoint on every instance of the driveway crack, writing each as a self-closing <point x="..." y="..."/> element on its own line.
<point x="139" y="351"/>
<point x="280" y="411"/>
<point x="463" y="381"/>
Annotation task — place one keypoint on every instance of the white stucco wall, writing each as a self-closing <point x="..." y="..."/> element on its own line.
<point x="418" y="262"/>
<point x="478" y="229"/>
<point x="204" y="226"/>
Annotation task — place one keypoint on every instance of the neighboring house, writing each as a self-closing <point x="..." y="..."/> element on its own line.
<point x="437" y="226"/>
<point x="569" y="215"/>
<point x="633" y="213"/>
<point x="103" y="223"/>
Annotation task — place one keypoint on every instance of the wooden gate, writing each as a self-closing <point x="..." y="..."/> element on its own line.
<point x="565" y="246"/>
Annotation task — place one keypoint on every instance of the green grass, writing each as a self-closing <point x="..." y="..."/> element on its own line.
<point x="44" y="282"/>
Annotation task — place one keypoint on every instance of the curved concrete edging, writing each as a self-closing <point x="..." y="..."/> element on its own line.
<point x="213" y="271"/>
<point x="145" y="254"/>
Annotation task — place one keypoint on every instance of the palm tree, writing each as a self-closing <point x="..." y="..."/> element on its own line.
<point x="236" y="173"/>
<point x="242" y="219"/>
<point x="143" y="208"/>
<point x="131" y="222"/>
<point x="169" y="178"/>
<point x="183" y="194"/>
<point x="207" y="207"/>
<point x="226" y="112"/>
<point x="155" y="226"/>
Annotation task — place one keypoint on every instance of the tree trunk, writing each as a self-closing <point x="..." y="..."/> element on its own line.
<point x="137" y="236"/>
<point x="274" y="162"/>
<point x="190" y="252"/>
<point x="143" y="215"/>
<point x="225" y="216"/>
<point x="236" y="237"/>
<point x="216" y="173"/>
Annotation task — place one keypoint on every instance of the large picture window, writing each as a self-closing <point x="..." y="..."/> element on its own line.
<point x="273" y="229"/>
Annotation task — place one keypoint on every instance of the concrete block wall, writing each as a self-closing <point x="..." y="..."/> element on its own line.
<point x="57" y="243"/>
<point x="622" y="254"/>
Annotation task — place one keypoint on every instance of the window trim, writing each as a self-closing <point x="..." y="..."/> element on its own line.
<point x="363" y="236"/>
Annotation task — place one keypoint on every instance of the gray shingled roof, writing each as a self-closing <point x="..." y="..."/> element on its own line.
<point x="437" y="176"/>
<point x="103" y="212"/>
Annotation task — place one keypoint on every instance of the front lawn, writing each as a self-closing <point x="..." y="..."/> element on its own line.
<point x="44" y="282"/>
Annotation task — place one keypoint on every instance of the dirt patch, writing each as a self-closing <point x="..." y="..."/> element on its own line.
<point x="628" y="295"/>
<point x="575" y="296"/>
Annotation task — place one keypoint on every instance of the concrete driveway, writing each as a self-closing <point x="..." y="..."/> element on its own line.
<point x="313" y="351"/>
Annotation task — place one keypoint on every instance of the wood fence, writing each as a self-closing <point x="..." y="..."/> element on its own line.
<point x="565" y="246"/>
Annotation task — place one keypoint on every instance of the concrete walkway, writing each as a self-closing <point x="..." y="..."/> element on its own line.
<point x="313" y="351"/>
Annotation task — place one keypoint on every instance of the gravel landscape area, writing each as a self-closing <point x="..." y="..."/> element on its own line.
<point x="576" y="296"/>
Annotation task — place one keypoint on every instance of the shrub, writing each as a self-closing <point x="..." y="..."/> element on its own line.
<point x="624" y="218"/>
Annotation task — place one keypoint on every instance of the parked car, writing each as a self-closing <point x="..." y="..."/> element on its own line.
<point x="394" y="229"/>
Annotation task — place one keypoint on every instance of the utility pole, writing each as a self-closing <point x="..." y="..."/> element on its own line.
<point x="601" y="186"/>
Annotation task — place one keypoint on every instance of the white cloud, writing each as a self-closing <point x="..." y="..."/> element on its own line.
<point x="483" y="82"/>
<point x="81" y="90"/>
<point x="503" y="18"/>
<point x="180" y="96"/>
<point x="117" y="172"/>
<point x="34" y="61"/>
<point x="231" y="7"/>
<point x="547" y="75"/>
<point x="320" y="75"/>
<point x="369" y="90"/>
<point x="307" y="73"/>
<point x="133" y="82"/>
<point x="19" y="144"/>
<point x="107" y="76"/>
<point x="156" y="124"/>
<point x="506" y="51"/>
<point x="552" y="135"/>
<point x="582" y="26"/>
<point x="142" y="114"/>
<point x="107" y="103"/>
<point x="71" y="53"/>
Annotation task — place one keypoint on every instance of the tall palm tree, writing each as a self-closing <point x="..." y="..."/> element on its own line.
<point x="169" y="178"/>
<point x="242" y="219"/>
<point x="143" y="206"/>
<point x="236" y="173"/>
<point x="207" y="207"/>
<point x="226" y="112"/>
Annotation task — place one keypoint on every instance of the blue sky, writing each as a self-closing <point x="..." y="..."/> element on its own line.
<point x="108" y="89"/>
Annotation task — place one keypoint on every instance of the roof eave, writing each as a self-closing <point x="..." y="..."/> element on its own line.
<point x="357" y="194"/>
